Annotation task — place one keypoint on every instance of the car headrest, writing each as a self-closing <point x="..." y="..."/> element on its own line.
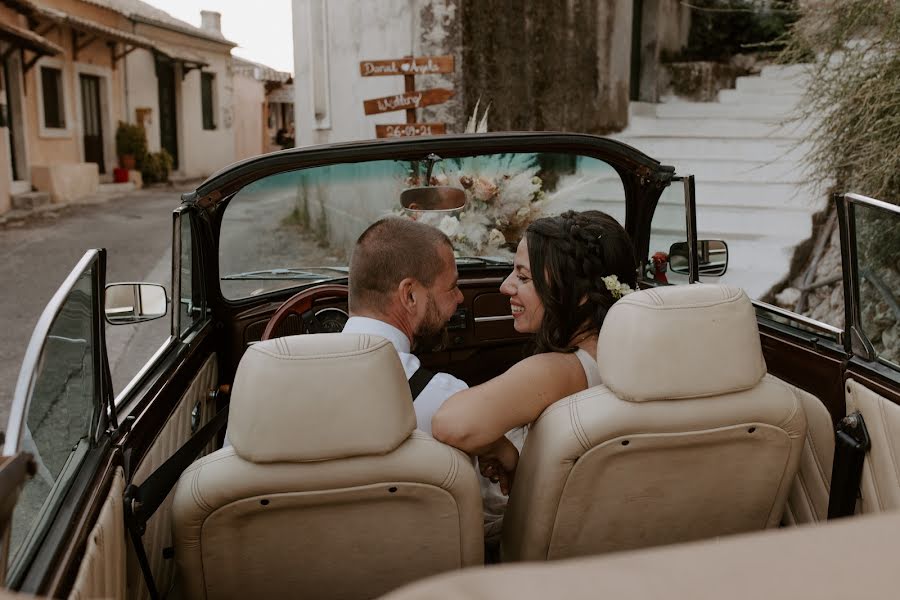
<point x="319" y="397"/>
<point x="683" y="341"/>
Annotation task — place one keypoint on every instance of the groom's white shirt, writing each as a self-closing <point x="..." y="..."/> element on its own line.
<point x="441" y="386"/>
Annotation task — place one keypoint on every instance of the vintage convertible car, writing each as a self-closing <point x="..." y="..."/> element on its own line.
<point x="327" y="491"/>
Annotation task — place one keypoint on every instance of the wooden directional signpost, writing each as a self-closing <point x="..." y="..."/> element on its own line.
<point x="411" y="98"/>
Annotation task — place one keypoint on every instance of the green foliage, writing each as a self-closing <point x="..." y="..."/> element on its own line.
<point x="155" y="166"/>
<point x="131" y="139"/>
<point x="852" y="100"/>
<point x="722" y="28"/>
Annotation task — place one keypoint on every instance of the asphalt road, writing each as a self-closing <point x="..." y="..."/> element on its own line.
<point x="38" y="254"/>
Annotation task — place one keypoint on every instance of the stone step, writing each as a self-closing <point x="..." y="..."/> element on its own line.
<point x="782" y="87"/>
<point x="785" y="71"/>
<point x="762" y="97"/>
<point x="766" y="113"/>
<point x="29" y="200"/>
<point x="709" y="193"/>
<point x="760" y="195"/>
<point x="715" y="128"/>
<point x="740" y="171"/>
<point x="740" y="223"/>
<point x="19" y="186"/>
<point x="701" y="148"/>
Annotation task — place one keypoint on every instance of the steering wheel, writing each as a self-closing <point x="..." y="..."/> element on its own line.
<point x="301" y="304"/>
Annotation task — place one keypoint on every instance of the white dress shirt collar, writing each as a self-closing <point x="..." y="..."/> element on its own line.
<point x="376" y="327"/>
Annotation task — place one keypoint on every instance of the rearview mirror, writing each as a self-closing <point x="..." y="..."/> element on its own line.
<point x="433" y="198"/>
<point x="712" y="254"/>
<point x="134" y="302"/>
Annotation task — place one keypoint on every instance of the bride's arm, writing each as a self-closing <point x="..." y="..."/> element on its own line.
<point x="473" y="419"/>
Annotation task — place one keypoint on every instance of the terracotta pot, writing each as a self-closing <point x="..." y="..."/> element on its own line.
<point x="127" y="161"/>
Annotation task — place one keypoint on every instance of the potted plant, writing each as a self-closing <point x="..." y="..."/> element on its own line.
<point x="131" y="144"/>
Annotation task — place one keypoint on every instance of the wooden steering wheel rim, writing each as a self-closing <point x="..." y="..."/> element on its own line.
<point x="301" y="302"/>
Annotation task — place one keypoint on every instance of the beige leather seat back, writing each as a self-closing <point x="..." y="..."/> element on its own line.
<point x="327" y="490"/>
<point x="688" y="438"/>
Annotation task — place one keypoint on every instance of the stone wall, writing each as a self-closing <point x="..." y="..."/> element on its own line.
<point x="547" y="65"/>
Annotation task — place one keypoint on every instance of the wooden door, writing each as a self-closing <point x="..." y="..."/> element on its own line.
<point x="91" y="118"/>
<point x="168" y="124"/>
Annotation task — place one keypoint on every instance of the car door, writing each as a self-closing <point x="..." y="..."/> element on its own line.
<point x="60" y="416"/>
<point x="870" y="231"/>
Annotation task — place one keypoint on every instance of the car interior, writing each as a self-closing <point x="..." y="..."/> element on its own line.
<point x="717" y="416"/>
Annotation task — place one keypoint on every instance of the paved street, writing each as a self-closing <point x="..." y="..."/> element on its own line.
<point x="37" y="254"/>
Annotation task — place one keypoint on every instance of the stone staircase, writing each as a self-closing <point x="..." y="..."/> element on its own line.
<point x="29" y="200"/>
<point x="746" y="156"/>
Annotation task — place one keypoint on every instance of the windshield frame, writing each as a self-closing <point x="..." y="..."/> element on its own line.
<point x="643" y="180"/>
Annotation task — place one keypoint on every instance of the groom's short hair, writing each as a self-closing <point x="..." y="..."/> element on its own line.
<point x="388" y="252"/>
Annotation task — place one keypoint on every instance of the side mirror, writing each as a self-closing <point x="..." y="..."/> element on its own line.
<point x="134" y="302"/>
<point x="712" y="254"/>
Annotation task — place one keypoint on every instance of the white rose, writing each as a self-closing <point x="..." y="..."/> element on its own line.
<point x="496" y="238"/>
<point x="450" y="226"/>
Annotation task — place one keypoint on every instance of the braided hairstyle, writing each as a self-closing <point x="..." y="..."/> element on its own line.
<point x="569" y="256"/>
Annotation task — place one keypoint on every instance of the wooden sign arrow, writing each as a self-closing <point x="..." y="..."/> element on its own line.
<point x="407" y="100"/>
<point x="410" y="129"/>
<point x="423" y="65"/>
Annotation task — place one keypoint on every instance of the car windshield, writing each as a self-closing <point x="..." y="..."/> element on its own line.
<point x="298" y="227"/>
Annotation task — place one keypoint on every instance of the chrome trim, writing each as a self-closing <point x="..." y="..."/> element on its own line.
<point x="18" y="410"/>
<point x="818" y="325"/>
<point x="492" y="319"/>
<point x="144" y="370"/>
<point x="866" y="201"/>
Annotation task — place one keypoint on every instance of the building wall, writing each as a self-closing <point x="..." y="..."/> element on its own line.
<point x="540" y="65"/>
<point x="49" y="146"/>
<point x="143" y="94"/>
<point x="330" y="39"/>
<point x="249" y="109"/>
<point x="201" y="152"/>
<point x="560" y="66"/>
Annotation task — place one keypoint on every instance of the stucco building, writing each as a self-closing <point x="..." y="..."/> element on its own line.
<point x="569" y="66"/>
<point x="72" y="69"/>
<point x="260" y="109"/>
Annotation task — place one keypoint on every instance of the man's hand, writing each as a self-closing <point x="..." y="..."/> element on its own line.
<point x="498" y="461"/>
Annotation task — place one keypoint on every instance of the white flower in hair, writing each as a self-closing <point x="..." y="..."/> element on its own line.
<point x="616" y="287"/>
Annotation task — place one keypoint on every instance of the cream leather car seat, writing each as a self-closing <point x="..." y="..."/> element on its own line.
<point x="687" y="439"/>
<point x="327" y="491"/>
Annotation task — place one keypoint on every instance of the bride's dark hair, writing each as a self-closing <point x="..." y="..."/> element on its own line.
<point x="570" y="255"/>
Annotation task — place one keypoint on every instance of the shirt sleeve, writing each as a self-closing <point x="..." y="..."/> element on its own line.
<point x="441" y="387"/>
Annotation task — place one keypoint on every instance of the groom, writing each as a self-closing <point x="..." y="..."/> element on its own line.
<point x="403" y="285"/>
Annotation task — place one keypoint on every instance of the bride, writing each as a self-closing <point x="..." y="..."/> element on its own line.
<point x="568" y="271"/>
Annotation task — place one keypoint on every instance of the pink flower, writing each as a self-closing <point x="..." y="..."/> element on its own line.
<point x="484" y="189"/>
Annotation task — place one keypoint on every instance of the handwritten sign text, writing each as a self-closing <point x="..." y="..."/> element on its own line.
<point x="407" y="100"/>
<point x="409" y="130"/>
<point x="426" y="65"/>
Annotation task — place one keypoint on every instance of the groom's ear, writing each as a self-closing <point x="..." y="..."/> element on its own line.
<point x="408" y="294"/>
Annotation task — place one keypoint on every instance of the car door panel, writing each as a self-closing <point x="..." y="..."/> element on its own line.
<point x="808" y="500"/>
<point x="14" y="472"/>
<point x="102" y="570"/>
<point x="176" y="431"/>
<point x="880" y="484"/>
